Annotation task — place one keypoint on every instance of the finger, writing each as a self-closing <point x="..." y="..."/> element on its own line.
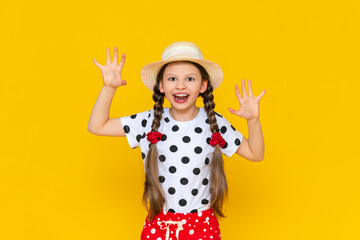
<point x="115" y="60"/>
<point x="261" y="95"/>
<point x="122" y="61"/>
<point x="243" y="87"/>
<point x="96" y="63"/>
<point x="108" y="56"/>
<point x="238" y="95"/>
<point x="250" y="88"/>
<point x="233" y="111"/>
<point x="123" y="82"/>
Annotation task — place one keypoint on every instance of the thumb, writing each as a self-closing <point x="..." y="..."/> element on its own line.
<point x="231" y="110"/>
<point x="96" y="63"/>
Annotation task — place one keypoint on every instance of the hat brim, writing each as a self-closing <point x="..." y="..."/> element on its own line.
<point x="150" y="71"/>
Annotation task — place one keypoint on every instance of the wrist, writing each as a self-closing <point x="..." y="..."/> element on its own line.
<point x="109" y="88"/>
<point x="253" y="120"/>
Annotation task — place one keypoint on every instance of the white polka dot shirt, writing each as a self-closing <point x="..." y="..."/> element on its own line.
<point x="184" y="155"/>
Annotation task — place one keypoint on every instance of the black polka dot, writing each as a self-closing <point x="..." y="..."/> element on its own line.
<point x="223" y="130"/>
<point x="184" y="181"/>
<point x="149" y="115"/>
<point x="162" y="158"/>
<point x="172" y="169"/>
<point x="204" y="201"/>
<point x="207" y="160"/>
<point x="194" y="211"/>
<point x="133" y="116"/>
<point x="207" y="121"/>
<point x="126" y="129"/>
<point x="173" y="148"/>
<point x="198" y="150"/>
<point x="171" y="210"/>
<point x="194" y="192"/>
<point x="233" y="127"/>
<point x="171" y="190"/>
<point x="205" y="181"/>
<point x="144" y="135"/>
<point x="143" y="155"/>
<point x="162" y="179"/>
<point x="175" y="128"/>
<point x="208" y="140"/>
<point x="138" y="138"/>
<point x="185" y="160"/>
<point x="164" y="137"/>
<point x="144" y="122"/>
<point x="186" y="139"/>
<point x="196" y="171"/>
<point x="225" y="146"/>
<point x="182" y="202"/>
<point x="237" y="142"/>
<point x="167" y="119"/>
<point x="198" y="130"/>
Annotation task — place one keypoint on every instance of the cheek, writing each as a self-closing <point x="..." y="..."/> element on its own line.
<point x="200" y="88"/>
<point x="165" y="89"/>
<point x="168" y="94"/>
<point x="168" y="87"/>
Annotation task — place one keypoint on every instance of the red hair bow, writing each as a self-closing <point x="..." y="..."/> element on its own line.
<point x="154" y="137"/>
<point x="216" y="138"/>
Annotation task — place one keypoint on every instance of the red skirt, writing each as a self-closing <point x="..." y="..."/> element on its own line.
<point x="182" y="226"/>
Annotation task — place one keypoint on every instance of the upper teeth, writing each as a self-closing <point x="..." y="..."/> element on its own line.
<point x="181" y="95"/>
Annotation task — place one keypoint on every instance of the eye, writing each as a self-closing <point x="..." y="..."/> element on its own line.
<point x="191" y="79"/>
<point x="172" y="79"/>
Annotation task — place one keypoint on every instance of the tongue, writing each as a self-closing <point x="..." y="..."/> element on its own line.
<point x="181" y="98"/>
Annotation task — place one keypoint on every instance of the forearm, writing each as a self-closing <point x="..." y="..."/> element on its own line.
<point x="256" y="140"/>
<point x="100" y="112"/>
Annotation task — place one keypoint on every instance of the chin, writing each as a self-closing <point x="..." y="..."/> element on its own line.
<point x="183" y="106"/>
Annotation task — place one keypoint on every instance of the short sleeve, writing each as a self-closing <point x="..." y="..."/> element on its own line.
<point x="136" y="126"/>
<point x="232" y="137"/>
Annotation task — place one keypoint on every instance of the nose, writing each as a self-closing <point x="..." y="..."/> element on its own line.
<point x="181" y="84"/>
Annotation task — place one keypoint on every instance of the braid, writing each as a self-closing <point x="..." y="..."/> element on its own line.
<point x="218" y="183"/>
<point x="158" y="98"/>
<point x="209" y="106"/>
<point x="153" y="196"/>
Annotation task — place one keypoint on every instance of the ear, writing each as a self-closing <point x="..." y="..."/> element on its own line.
<point x="203" y="86"/>
<point x="161" y="88"/>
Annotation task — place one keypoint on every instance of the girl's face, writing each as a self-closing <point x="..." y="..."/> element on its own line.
<point x="182" y="85"/>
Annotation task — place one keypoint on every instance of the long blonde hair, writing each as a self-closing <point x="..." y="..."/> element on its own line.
<point x="153" y="196"/>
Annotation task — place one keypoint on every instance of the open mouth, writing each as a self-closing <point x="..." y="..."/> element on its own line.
<point x="181" y="97"/>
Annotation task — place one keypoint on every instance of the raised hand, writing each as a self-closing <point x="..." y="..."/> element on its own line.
<point x="249" y="105"/>
<point x="111" y="72"/>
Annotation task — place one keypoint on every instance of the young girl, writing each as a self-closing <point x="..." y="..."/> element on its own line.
<point x="181" y="146"/>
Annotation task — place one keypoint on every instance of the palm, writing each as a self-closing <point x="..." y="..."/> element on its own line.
<point x="249" y="105"/>
<point x="111" y="75"/>
<point x="111" y="72"/>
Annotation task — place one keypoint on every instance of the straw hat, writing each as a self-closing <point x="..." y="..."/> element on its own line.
<point x="179" y="51"/>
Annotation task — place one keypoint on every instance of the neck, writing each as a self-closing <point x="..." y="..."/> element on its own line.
<point x="184" y="115"/>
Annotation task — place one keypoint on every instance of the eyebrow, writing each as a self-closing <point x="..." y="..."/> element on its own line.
<point x="185" y="75"/>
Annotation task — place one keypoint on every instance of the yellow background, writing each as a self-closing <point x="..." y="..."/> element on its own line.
<point x="58" y="181"/>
